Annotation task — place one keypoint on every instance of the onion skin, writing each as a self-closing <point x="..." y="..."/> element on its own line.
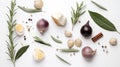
<point x="42" y="26"/>
<point x="88" y="53"/>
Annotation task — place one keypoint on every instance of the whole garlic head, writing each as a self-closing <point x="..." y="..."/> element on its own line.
<point x="70" y="43"/>
<point x="19" y="29"/>
<point x="113" y="41"/>
<point x="38" y="54"/>
<point x="78" y="42"/>
<point x="38" y="4"/>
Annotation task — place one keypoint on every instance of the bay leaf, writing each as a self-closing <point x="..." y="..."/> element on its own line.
<point x="21" y="51"/>
<point x="102" y="21"/>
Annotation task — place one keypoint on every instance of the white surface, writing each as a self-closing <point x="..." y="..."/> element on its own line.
<point x="101" y="59"/>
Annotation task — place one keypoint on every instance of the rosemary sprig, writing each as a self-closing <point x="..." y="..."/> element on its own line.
<point x="77" y="13"/>
<point x="11" y="23"/>
<point x="11" y="44"/>
<point x="98" y="5"/>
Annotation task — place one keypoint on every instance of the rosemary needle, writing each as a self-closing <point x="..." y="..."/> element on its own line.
<point x="99" y="5"/>
<point x="63" y="60"/>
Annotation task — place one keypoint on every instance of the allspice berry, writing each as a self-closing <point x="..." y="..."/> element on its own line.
<point x="70" y="43"/>
<point x="78" y="42"/>
<point x="113" y="41"/>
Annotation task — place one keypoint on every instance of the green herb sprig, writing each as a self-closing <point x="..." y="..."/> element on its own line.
<point x="63" y="60"/>
<point x="11" y="44"/>
<point x="56" y="40"/>
<point x="28" y="10"/>
<point x="69" y="50"/>
<point x="77" y="13"/>
<point x="98" y="5"/>
<point x="37" y="39"/>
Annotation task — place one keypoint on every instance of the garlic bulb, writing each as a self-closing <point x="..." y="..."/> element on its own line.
<point x="59" y="19"/>
<point x="38" y="4"/>
<point x="19" y="29"/>
<point x="38" y="54"/>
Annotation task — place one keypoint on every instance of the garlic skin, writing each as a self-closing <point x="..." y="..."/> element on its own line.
<point x="68" y="33"/>
<point x="19" y="29"/>
<point x="113" y="41"/>
<point x="70" y="43"/>
<point x="38" y="54"/>
<point x="78" y="42"/>
<point x="59" y="19"/>
<point x="38" y="4"/>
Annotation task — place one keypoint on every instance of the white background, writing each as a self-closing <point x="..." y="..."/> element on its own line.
<point x="101" y="59"/>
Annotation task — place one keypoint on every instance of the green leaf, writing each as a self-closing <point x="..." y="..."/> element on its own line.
<point x="21" y="51"/>
<point x="28" y="10"/>
<point x="101" y="7"/>
<point x="56" y="40"/>
<point x="37" y="39"/>
<point x="102" y="21"/>
<point x="63" y="60"/>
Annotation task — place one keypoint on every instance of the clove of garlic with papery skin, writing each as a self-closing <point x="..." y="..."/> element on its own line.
<point x="113" y="41"/>
<point x="38" y="54"/>
<point x="38" y="4"/>
<point x="59" y="19"/>
<point x="68" y="33"/>
<point x="78" y="42"/>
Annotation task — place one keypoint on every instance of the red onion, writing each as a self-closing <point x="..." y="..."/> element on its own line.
<point x="87" y="52"/>
<point x="42" y="25"/>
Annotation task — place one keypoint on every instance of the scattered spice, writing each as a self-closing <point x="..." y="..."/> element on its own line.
<point x="24" y="37"/>
<point x="97" y="37"/>
<point x="106" y="51"/>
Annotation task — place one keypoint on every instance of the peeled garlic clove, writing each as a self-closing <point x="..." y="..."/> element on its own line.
<point x="113" y="41"/>
<point x="70" y="43"/>
<point x="38" y="4"/>
<point x="59" y="19"/>
<point x="68" y="33"/>
<point x="19" y="29"/>
<point x="38" y="54"/>
<point x="78" y="42"/>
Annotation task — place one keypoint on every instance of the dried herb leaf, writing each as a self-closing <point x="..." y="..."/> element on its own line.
<point x="37" y="39"/>
<point x="101" y="7"/>
<point x="21" y="51"/>
<point x="63" y="60"/>
<point x="69" y="50"/>
<point x="102" y="21"/>
<point x="56" y="40"/>
<point x="28" y="10"/>
<point x="77" y="13"/>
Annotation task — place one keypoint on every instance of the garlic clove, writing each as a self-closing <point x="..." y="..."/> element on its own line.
<point x="38" y="4"/>
<point x="78" y="42"/>
<point x="113" y="41"/>
<point x="68" y="33"/>
<point x="19" y="29"/>
<point x="70" y="43"/>
<point x="59" y="19"/>
<point x="38" y="54"/>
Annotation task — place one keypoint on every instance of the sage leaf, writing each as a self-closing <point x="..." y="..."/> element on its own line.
<point x="37" y="39"/>
<point x="101" y="7"/>
<point x="56" y="40"/>
<point x="21" y="51"/>
<point x="102" y="21"/>
<point x="69" y="50"/>
<point x="28" y="10"/>
<point x="63" y="60"/>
